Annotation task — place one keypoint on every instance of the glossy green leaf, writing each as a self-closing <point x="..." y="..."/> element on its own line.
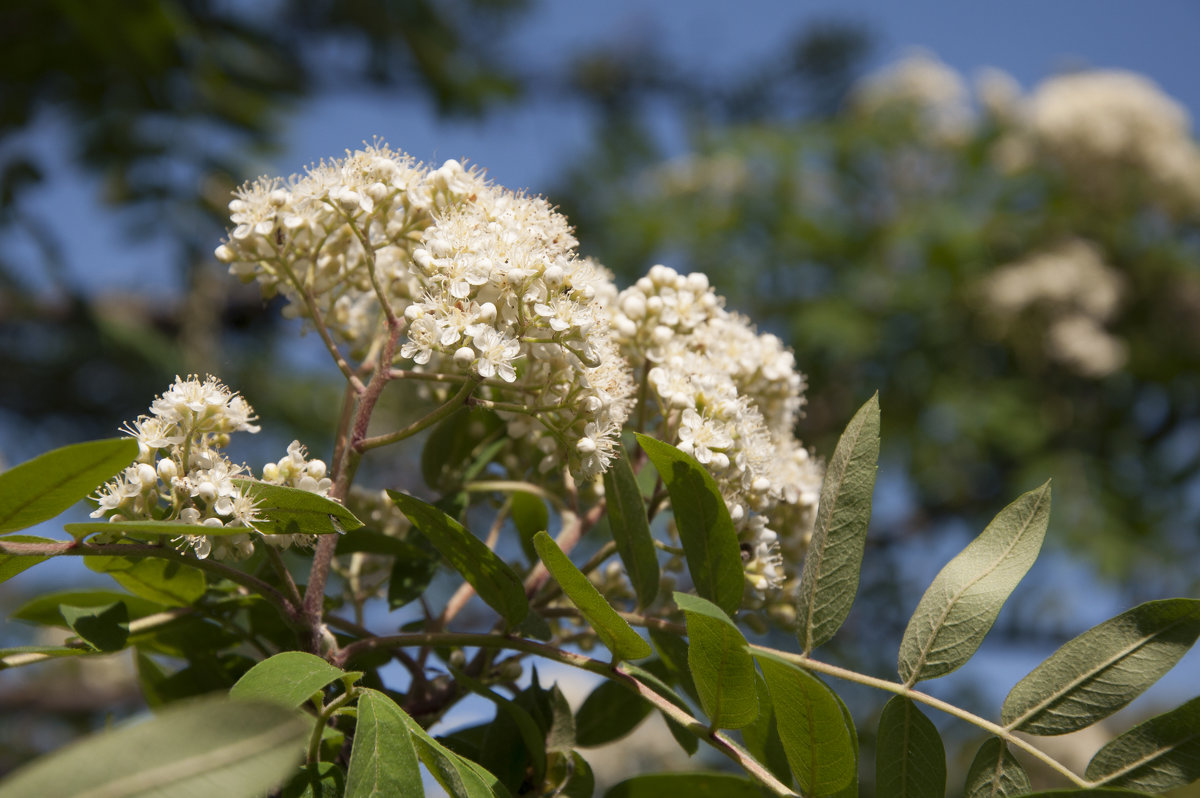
<point x="820" y="747"/>
<point x="710" y="543"/>
<point x="289" y="678"/>
<point x="910" y="759"/>
<point x="318" y="780"/>
<point x="105" y="628"/>
<point x="692" y="785"/>
<point x="167" y="529"/>
<point x="829" y="581"/>
<point x="1103" y="669"/>
<point x="762" y="736"/>
<point x="13" y="564"/>
<point x="996" y="773"/>
<point x="383" y="762"/>
<point x="617" y="635"/>
<point x="961" y="605"/>
<point x="720" y="664"/>
<point x="460" y="777"/>
<point x="44" y="610"/>
<point x="1159" y="755"/>
<point x="454" y="444"/>
<point x="495" y="582"/>
<point x="631" y="528"/>
<point x="610" y="712"/>
<point x="530" y="516"/>
<point x="211" y="746"/>
<point x="165" y="581"/>
<point x="292" y="511"/>
<point x="41" y="488"/>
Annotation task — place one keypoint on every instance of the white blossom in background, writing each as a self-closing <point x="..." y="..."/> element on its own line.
<point x="921" y="82"/>
<point x="1074" y="293"/>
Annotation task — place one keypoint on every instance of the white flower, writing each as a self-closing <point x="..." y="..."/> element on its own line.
<point x="496" y="354"/>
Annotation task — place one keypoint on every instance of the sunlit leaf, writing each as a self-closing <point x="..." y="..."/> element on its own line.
<point x="1159" y="755"/>
<point x="211" y="746"/>
<point x="961" y="605"/>
<point x="996" y="773"/>
<point x="39" y="489"/>
<point x="383" y="762"/>
<point x="910" y="759"/>
<point x="292" y="511"/>
<point x="495" y="582"/>
<point x="812" y="728"/>
<point x="460" y="777"/>
<point x="1103" y="669"/>
<point x="617" y="635"/>
<point x="720" y="664"/>
<point x="829" y="580"/>
<point x="289" y="678"/>
<point x="762" y="736"/>
<point x="710" y="543"/>
<point x="631" y="528"/>
<point x="13" y="564"/>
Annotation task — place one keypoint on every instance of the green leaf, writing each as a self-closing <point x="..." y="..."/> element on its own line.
<point x="720" y="664"/>
<point x="212" y="746"/>
<point x="528" y="742"/>
<point x="710" y="543"/>
<point x="583" y="782"/>
<point x="169" y="529"/>
<point x="762" y="736"/>
<point x="610" y="712"/>
<point x="370" y="541"/>
<point x="530" y="516"/>
<point x="614" y="632"/>
<point x="1103" y="669"/>
<point x="44" y="610"/>
<point x="165" y="581"/>
<point x="851" y="789"/>
<point x="41" y="488"/>
<point x="460" y="777"/>
<point x="961" y="605"/>
<point x="686" y="737"/>
<point x="496" y="583"/>
<point x="631" y="528"/>
<point x="996" y="773"/>
<point x="292" y="511"/>
<point x="289" y="678"/>
<point x="910" y="760"/>
<point x="13" y="564"/>
<point x="820" y="748"/>
<point x="454" y="444"/>
<point x="411" y="575"/>
<point x="319" y="780"/>
<point x="1159" y="755"/>
<point x="105" y="628"/>
<point x="1092" y="792"/>
<point x="693" y="785"/>
<point x="383" y="762"/>
<point x="673" y="651"/>
<point x="829" y="581"/>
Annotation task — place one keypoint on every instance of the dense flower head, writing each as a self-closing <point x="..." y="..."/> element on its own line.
<point x="183" y="475"/>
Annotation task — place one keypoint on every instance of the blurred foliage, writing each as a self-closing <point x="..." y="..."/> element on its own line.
<point x="867" y="239"/>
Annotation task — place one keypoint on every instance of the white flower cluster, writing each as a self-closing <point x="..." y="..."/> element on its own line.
<point x="923" y="83"/>
<point x="1075" y="292"/>
<point x="182" y="474"/>
<point x="1105" y="126"/>
<point x="731" y="397"/>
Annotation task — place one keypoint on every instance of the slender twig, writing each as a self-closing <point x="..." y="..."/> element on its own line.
<point x="512" y="486"/>
<point x="453" y="403"/>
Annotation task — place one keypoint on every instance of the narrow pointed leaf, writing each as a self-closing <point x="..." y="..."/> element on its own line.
<point x="41" y="488"/>
<point x="460" y="777"/>
<point x="631" y="528"/>
<point x="610" y="712"/>
<point x="910" y="759"/>
<point x="692" y="785"/>
<point x="961" y="605"/>
<point x="289" y="678"/>
<point x="851" y="789"/>
<point x="495" y="582"/>
<point x="13" y="564"/>
<point x="292" y="511"/>
<point x="829" y="580"/>
<point x="211" y="746"/>
<point x="1159" y="755"/>
<point x="721" y="666"/>
<point x="383" y="762"/>
<point x="762" y="736"/>
<point x="1103" y="669"/>
<point x="617" y="635"/>
<point x="819" y="746"/>
<point x="710" y="543"/>
<point x="996" y="773"/>
<point x="105" y="628"/>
